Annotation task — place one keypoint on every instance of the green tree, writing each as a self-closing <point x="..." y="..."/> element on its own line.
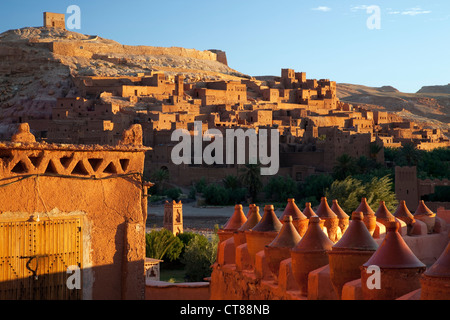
<point x="251" y="178"/>
<point x="198" y="257"/>
<point x="410" y="154"/>
<point x="185" y="238"/>
<point x="216" y="195"/>
<point x="348" y="192"/>
<point x="315" y="186"/>
<point x="160" y="177"/>
<point x="174" y="193"/>
<point x="162" y="245"/>
<point x="375" y="148"/>
<point x="200" y="185"/>
<point x="381" y="189"/>
<point x="231" y="182"/>
<point x="364" y="164"/>
<point x="345" y="166"/>
<point x="280" y="188"/>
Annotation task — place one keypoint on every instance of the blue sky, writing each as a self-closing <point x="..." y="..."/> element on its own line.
<point x="325" y="39"/>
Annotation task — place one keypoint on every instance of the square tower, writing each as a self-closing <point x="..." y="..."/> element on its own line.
<point x="54" y="20"/>
<point x="288" y="74"/>
<point x="173" y="217"/>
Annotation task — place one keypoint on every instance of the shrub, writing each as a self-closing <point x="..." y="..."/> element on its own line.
<point x="185" y="238"/>
<point x="198" y="257"/>
<point x="162" y="245"/>
<point x="350" y="191"/>
<point x="173" y="193"/>
<point x="315" y="186"/>
<point x="279" y="189"/>
<point x="216" y="195"/>
<point x="200" y="185"/>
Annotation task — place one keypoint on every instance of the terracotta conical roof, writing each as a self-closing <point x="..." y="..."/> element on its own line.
<point x="324" y="211"/>
<point x="314" y="239"/>
<point x="236" y="220"/>
<point x="269" y="221"/>
<point x="402" y="212"/>
<point x="393" y="252"/>
<point x="441" y="268"/>
<point x="293" y="211"/>
<point x="288" y="236"/>
<point x="383" y="213"/>
<point x="357" y="236"/>
<point x="253" y="218"/>
<point x="338" y="210"/>
<point x="309" y="212"/>
<point x="250" y="208"/>
<point x="422" y="209"/>
<point x="364" y="207"/>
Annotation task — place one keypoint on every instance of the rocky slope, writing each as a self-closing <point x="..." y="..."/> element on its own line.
<point x="33" y="76"/>
<point x="34" y="73"/>
<point x="435" y="89"/>
<point x="426" y="107"/>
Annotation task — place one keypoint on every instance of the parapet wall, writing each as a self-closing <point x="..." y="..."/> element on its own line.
<point x="101" y="187"/>
<point x="88" y="49"/>
<point x="161" y="290"/>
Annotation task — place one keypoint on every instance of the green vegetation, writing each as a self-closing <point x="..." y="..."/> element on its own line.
<point x="187" y="256"/>
<point x="173" y="194"/>
<point x="350" y="191"/>
<point x="250" y="177"/>
<point x="198" y="257"/>
<point x="280" y="187"/>
<point x="162" y="245"/>
<point x="433" y="164"/>
<point x="371" y="179"/>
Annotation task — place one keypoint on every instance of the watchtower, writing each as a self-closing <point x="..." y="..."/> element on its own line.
<point x="173" y="217"/>
<point x="55" y="20"/>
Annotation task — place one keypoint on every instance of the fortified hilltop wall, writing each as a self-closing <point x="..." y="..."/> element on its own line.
<point x="88" y="49"/>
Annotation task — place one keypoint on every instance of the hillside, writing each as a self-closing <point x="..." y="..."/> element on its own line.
<point x="435" y="89"/>
<point x="429" y="107"/>
<point x="36" y="65"/>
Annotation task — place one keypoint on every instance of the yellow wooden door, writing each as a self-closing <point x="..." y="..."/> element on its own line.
<point x="35" y="257"/>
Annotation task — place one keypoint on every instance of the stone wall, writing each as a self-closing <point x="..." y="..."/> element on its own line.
<point x="161" y="290"/>
<point x="101" y="185"/>
<point x="88" y="49"/>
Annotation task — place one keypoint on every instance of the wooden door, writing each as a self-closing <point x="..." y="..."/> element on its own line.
<point x="35" y="257"/>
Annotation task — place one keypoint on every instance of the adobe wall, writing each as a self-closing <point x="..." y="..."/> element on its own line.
<point x="160" y="290"/>
<point x="409" y="188"/>
<point x="54" y="20"/>
<point x="100" y="184"/>
<point x="88" y="49"/>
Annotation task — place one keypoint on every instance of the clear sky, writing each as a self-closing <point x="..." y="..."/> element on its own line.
<point x="326" y="39"/>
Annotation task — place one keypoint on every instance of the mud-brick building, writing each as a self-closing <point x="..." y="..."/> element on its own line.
<point x="72" y="219"/>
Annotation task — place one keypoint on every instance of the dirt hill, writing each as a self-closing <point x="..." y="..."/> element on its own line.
<point x="435" y="89"/>
<point x="429" y="107"/>
<point x="36" y="65"/>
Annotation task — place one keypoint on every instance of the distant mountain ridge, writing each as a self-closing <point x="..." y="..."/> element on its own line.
<point x="432" y="108"/>
<point x="435" y="89"/>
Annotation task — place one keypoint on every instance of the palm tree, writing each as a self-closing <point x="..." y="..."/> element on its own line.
<point x="345" y="166"/>
<point x="375" y="148"/>
<point x="410" y="153"/>
<point x="160" y="177"/>
<point x="251" y="179"/>
<point x="231" y="182"/>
